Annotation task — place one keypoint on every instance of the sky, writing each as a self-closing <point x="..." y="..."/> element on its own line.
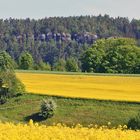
<point x="49" y="8"/>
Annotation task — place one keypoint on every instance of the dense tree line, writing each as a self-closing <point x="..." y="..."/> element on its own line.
<point x="55" y="43"/>
<point x="119" y="55"/>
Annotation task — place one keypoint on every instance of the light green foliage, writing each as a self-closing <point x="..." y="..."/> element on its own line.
<point x="71" y="65"/>
<point x="13" y="84"/>
<point x="48" y="107"/>
<point x="43" y="66"/>
<point x="92" y="60"/>
<point x="8" y="76"/>
<point x="6" y="62"/>
<point x="119" y="55"/>
<point x="60" y="65"/>
<point x="26" y="61"/>
<point x="122" y="59"/>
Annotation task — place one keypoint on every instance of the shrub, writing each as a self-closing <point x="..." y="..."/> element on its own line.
<point x="48" y="107"/>
<point x="3" y="100"/>
<point x="60" y="65"/>
<point x="134" y="123"/>
<point x="42" y="66"/>
<point x="10" y="85"/>
<point x="14" y="85"/>
<point x="72" y="65"/>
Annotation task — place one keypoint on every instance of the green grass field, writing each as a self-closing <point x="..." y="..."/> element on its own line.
<point x="76" y="73"/>
<point x="69" y="111"/>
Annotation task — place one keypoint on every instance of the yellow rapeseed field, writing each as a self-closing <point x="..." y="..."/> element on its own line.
<point x="31" y="131"/>
<point x="99" y="87"/>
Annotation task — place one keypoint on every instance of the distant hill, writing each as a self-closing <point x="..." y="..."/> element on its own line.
<point x="55" y="38"/>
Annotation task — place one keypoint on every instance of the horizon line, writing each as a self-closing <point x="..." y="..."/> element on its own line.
<point x="58" y="16"/>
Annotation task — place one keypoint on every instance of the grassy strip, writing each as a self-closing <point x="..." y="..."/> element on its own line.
<point x="76" y="73"/>
<point x="70" y="110"/>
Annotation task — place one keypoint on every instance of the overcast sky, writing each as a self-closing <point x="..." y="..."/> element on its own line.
<point x="46" y="8"/>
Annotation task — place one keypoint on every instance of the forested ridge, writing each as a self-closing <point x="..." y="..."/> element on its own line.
<point x="58" y="43"/>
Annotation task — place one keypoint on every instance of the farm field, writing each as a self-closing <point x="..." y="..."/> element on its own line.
<point x="121" y="88"/>
<point x="10" y="131"/>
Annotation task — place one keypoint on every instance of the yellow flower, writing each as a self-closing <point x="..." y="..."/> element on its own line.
<point x="33" y="131"/>
<point x="109" y="123"/>
<point x="30" y="122"/>
<point x="125" y="126"/>
<point x="99" y="87"/>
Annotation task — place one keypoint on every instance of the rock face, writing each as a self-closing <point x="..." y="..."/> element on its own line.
<point x="82" y="38"/>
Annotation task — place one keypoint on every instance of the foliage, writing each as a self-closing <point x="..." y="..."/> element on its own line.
<point x="119" y="55"/>
<point x="60" y="65"/>
<point x="6" y="62"/>
<point x="52" y="39"/>
<point x="3" y="100"/>
<point x="134" y="123"/>
<point x="14" y="85"/>
<point x="48" y="107"/>
<point x="43" y="66"/>
<point x="71" y="65"/>
<point x="26" y="61"/>
<point x="92" y="60"/>
<point x="8" y="77"/>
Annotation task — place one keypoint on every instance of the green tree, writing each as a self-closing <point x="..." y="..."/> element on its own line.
<point x="8" y="77"/>
<point x="6" y="62"/>
<point x="26" y="61"/>
<point x="121" y="59"/>
<point x="60" y="65"/>
<point x="119" y="55"/>
<point x="71" y="65"/>
<point x="92" y="60"/>
<point x="42" y="66"/>
<point x="45" y="66"/>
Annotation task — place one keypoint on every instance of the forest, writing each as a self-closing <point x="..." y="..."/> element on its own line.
<point x="61" y="43"/>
